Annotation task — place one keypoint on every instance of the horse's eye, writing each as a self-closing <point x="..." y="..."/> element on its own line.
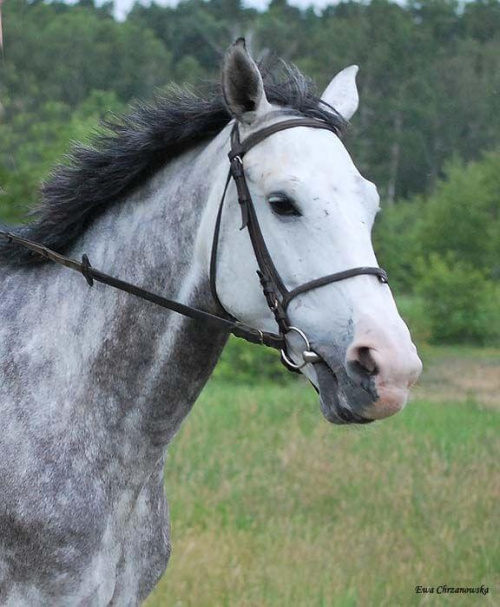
<point x="282" y="205"/>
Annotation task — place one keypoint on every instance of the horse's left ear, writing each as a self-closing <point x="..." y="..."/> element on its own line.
<point x="342" y="92"/>
<point x="242" y="84"/>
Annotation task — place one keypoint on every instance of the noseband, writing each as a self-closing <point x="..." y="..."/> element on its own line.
<point x="277" y="295"/>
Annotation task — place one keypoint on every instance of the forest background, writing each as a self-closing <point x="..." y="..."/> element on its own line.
<point x="427" y="131"/>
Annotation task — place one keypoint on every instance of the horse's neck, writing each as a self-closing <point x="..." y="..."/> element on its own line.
<point x="135" y="368"/>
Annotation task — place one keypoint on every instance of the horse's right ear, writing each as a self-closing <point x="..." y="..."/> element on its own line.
<point x="242" y="84"/>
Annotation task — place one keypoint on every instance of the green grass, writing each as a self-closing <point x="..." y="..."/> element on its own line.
<point x="273" y="506"/>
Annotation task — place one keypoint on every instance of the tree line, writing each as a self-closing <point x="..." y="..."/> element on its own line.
<point x="429" y="79"/>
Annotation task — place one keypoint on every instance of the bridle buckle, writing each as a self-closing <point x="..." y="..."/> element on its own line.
<point x="236" y="167"/>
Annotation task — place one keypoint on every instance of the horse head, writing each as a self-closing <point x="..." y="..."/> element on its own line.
<point x="316" y="212"/>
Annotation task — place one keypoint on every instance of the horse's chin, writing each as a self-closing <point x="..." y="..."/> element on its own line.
<point x="334" y="399"/>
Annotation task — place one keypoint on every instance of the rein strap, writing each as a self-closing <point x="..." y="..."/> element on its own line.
<point x="238" y="329"/>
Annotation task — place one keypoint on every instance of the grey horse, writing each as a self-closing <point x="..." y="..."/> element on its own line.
<point x="94" y="383"/>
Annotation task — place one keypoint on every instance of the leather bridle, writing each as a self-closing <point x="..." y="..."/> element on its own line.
<point x="278" y="297"/>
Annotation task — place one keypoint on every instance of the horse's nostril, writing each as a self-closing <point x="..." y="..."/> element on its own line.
<point x="365" y="359"/>
<point x="361" y="366"/>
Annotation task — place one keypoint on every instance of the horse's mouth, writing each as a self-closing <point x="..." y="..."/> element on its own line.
<point x="332" y="397"/>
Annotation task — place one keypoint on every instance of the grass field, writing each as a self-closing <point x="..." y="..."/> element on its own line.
<point x="273" y="506"/>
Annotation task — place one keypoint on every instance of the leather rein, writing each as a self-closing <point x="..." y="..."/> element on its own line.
<point x="278" y="297"/>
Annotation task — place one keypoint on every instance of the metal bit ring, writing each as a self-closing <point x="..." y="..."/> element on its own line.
<point x="289" y="361"/>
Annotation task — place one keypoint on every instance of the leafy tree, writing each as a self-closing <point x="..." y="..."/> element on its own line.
<point x="62" y="54"/>
<point x="33" y="142"/>
<point x="463" y="215"/>
<point x="461" y="303"/>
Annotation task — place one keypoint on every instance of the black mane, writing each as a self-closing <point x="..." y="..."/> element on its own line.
<point x="133" y="148"/>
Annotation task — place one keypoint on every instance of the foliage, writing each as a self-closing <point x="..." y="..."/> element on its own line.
<point x="413" y="310"/>
<point x="55" y="52"/>
<point x="455" y="232"/>
<point x="461" y="304"/>
<point x="428" y="80"/>
<point x="33" y="141"/>
<point x="250" y="363"/>
<point x="463" y="215"/>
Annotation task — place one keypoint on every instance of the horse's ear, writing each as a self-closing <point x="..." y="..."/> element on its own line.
<point x="242" y="84"/>
<point x="342" y="92"/>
